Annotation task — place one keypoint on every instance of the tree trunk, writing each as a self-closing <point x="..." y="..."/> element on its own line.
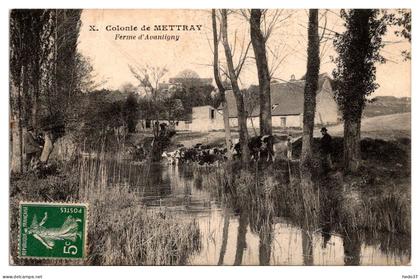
<point x="242" y="115"/>
<point x="228" y="137"/>
<point x="16" y="163"/>
<point x="258" y="44"/>
<point x="309" y="197"/>
<point x="352" y="154"/>
<point x="226" y="125"/>
<point x="243" y="129"/>
<point x="311" y="87"/>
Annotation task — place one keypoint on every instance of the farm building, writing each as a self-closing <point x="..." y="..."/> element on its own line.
<point x="287" y="107"/>
<point x="206" y="118"/>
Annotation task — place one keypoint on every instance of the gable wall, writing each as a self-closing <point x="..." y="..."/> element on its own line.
<point x="326" y="107"/>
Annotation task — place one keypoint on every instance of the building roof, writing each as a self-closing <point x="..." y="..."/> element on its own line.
<point x="191" y="80"/>
<point x="286" y="98"/>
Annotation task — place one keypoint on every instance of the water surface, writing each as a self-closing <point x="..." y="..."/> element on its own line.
<point x="227" y="238"/>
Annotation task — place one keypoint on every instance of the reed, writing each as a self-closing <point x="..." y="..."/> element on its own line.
<point x="121" y="230"/>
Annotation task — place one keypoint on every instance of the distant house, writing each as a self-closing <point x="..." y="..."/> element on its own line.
<point x="287" y="105"/>
<point x="186" y="78"/>
<point x="206" y="118"/>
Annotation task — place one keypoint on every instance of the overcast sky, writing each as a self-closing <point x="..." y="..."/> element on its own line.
<point x="110" y="58"/>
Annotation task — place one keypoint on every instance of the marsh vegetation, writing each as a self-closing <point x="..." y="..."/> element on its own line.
<point x="156" y="214"/>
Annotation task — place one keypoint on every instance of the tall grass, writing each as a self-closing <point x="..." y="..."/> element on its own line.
<point x="121" y="230"/>
<point x="341" y="202"/>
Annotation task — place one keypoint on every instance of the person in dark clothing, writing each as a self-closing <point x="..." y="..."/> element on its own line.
<point x="326" y="148"/>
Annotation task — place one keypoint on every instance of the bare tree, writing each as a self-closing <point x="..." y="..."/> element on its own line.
<point x="221" y="88"/>
<point x="258" y="44"/>
<point x="233" y="74"/>
<point x="149" y="78"/>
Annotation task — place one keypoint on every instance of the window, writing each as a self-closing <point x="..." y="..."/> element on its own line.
<point x="283" y="122"/>
<point x="212" y="114"/>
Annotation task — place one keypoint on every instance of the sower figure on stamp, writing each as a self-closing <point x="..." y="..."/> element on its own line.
<point x="326" y="142"/>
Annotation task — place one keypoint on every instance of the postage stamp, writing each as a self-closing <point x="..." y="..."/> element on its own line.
<point x="52" y="230"/>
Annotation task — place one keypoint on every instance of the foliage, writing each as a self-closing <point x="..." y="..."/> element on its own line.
<point x="402" y="19"/>
<point x="174" y="109"/>
<point x="28" y="52"/>
<point x="105" y="118"/>
<point x="251" y="98"/>
<point x="193" y="95"/>
<point x="130" y="112"/>
<point x="358" y="51"/>
<point x="66" y="73"/>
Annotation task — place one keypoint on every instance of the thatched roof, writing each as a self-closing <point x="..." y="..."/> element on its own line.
<point x="286" y="98"/>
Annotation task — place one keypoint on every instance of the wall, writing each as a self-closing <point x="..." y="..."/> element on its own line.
<point x="326" y="107"/>
<point x="291" y="120"/>
<point x="202" y="122"/>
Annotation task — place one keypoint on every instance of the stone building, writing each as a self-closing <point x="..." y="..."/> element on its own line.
<point x="286" y="103"/>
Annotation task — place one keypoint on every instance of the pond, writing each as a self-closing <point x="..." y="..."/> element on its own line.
<point x="228" y="239"/>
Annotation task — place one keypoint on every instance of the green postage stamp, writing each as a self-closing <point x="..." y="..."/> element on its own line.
<point x="52" y="230"/>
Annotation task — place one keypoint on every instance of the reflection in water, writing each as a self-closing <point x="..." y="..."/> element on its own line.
<point x="307" y="251"/>
<point x="266" y="239"/>
<point x="227" y="239"/>
<point x="224" y="237"/>
<point x="352" y="248"/>
<point x="241" y="240"/>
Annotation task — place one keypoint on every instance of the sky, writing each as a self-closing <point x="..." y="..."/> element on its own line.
<point x="287" y="44"/>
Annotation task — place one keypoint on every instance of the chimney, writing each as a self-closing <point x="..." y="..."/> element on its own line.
<point x="292" y="78"/>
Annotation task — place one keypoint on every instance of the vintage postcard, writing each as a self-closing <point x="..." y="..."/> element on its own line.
<point x="210" y="137"/>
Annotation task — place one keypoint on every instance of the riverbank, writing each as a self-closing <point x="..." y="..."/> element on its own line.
<point x="121" y="230"/>
<point x="153" y="214"/>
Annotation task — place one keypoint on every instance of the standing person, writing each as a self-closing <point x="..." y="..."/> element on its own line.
<point x="289" y="148"/>
<point x="32" y="148"/>
<point x="326" y="142"/>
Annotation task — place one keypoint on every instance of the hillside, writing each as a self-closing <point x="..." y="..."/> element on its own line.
<point x="385" y="105"/>
<point x="386" y="127"/>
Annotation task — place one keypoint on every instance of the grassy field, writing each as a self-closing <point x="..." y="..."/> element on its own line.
<point x="386" y="127"/>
